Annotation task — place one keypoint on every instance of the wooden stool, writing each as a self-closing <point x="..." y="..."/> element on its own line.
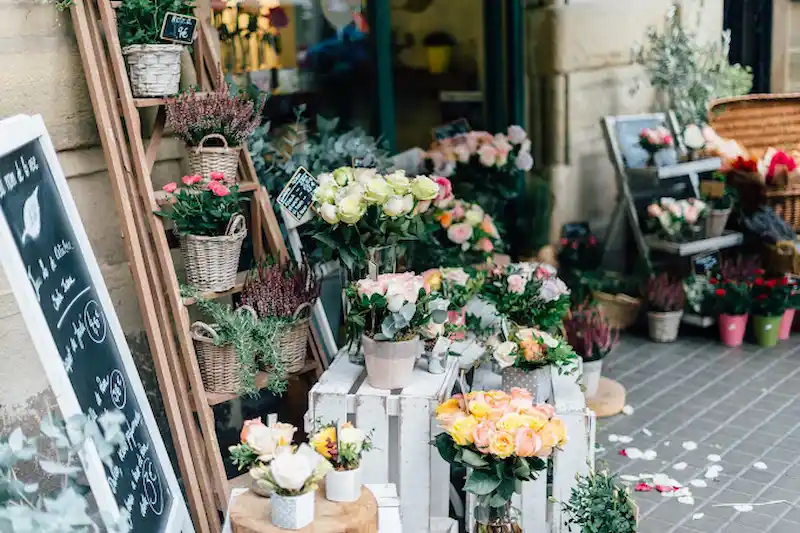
<point x="609" y="400"/>
<point x="250" y="513"/>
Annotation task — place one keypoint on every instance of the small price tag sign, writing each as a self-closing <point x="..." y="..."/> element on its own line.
<point x="181" y="29"/>
<point x="451" y="129"/>
<point x="704" y="264"/>
<point x="298" y="194"/>
<point x="712" y="188"/>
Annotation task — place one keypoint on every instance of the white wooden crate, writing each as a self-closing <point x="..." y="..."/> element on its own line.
<point x="577" y="457"/>
<point x="403" y="425"/>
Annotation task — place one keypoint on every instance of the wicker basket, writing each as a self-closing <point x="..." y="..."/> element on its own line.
<point x="219" y="366"/>
<point x="782" y="258"/>
<point x="205" y="160"/>
<point x="758" y="122"/>
<point x="154" y="69"/>
<point x="293" y="342"/>
<point x="212" y="262"/>
<point x="621" y="310"/>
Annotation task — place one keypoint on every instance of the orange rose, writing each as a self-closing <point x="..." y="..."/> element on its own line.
<point x="532" y="351"/>
<point x="445" y="219"/>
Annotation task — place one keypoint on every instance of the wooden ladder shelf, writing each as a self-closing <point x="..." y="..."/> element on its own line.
<point x="130" y="161"/>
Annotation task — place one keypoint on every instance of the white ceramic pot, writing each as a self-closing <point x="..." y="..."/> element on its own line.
<point x="592" y="371"/>
<point x="343" y="485"/>
<point x="390" y="365"/>
<point x="537" y="381"/>
<point x="293" y="512"/>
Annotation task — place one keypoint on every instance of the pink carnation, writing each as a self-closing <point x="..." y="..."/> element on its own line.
<point x="516" y="284"/>
<point x="217" y="176"/>
<point x="445" y="188"/>
<point x="219" y="189"/>
<point x="516" y="134"/>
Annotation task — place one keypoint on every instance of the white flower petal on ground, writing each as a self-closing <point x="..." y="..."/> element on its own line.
<point x="624" y="439"/>
<point x="647" y="432"/>
<point x="633" y="453"/>
<point x="760" y="465"/>
<point x="689" y="445"/>
<point x="680" y="466"/>
<point x="699" y="483"/>
<point x="628" y="477"/>
<point x="743" y="507"/>
<point x="711" y="474"/>
<point x="686" y="500"/>
<point x="698" y="516"/>
<point x="613" y="438"/>
<point x="666" y="444"/>
<point x="714" y="458"/>
<point x="649" y="455"/>
<point x="627" y="410"/>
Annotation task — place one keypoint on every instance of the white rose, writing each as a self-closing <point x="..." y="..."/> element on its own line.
<point x="264" y="441"/>
<point x="377" y="191"/>
<point x="456" y="275"/>
<point x="329" y="214"/>
<point x="343" y="175"/>
<point x="395" y="302"/>
<point x="524" y="161"/>
<point x="693" y="137"/>
<point x="547" y="339"/>
<point x="326" y="193"/>
<point x="350" y="210"/>
<point x="398" y="181"/>
<point x="503" y="354"/>
<point x="365" y="175"/>
<point x="353" y="436"/>
<point x="326" y="178"/>
<point x="394" y="207"/>
<point x="408" y="203"/>
<point x="291" y="471"/>
<point x="424" y="188"/>
<point x="474" y="216"/>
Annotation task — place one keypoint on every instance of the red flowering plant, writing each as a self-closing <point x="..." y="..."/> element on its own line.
<point x="770" y="295"/>
<point x="202" y="206"/>
<point x="731" y="297"/>
<point x="581" y="253"/>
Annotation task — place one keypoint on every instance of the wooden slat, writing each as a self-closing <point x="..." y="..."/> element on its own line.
<point x="156" y="138"/>
<point x="261" y="382"/>
<point x="149" y="102"/>
<point x="415" y="472"/>
<point x="240" y="279"/>
<point x="372" y="415"/>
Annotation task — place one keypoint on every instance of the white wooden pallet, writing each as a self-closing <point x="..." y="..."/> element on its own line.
<point x="402" y="426"/>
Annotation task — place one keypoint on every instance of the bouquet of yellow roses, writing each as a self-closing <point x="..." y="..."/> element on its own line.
<point x="503" y="438"/>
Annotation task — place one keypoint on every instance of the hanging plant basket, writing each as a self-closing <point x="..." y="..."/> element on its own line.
<point x="204" y="160"/>
<point x="293" y="343"/>
<point x="219" y="365"/>
<point x="212" y="262"/>
<point x="154" y="69"/>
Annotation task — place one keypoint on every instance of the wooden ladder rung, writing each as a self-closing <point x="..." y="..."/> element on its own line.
<point x="240" y="278"/>
<point x="261" y="382"/>
<point x="116" y="4"/>
<point x="149" y="102"/>
<point x="163" y="198"/>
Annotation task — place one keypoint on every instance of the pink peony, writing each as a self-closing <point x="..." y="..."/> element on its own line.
<point x="487" y="155"/>
<point x="485" y="245"/>
<point x="217" y="176"/>
<point x="191" y="180"/>
<point x="459" y="233"/>
<point x="516" y="134"/>
<point x="516" y="284"/>
<point x="170" y="187"/>
<point x="368" y="287"/>
<point x="527" y="442"/>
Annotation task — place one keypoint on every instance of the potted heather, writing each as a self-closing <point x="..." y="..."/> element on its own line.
<point x="597" y="504"/>
<point x="665" y="300"/>
<point x="211" y="228"/>
<point x="285" y="292"/>
<point x="387" y="314"/>
<point x="770" y="301"/>
<point x="215" y="126"/>
<point x="656" y="142"/>
<point x="154" y="66"/>
<point x="590" y="334"/>
<point x="344" y="446"/>
<point x="732" y="302"/>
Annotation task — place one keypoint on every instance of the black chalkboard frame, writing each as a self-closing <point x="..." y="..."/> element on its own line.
<point x="164" y="37"/>
<point x="15" y="133"/>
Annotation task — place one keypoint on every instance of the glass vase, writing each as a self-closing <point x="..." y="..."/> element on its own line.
<point x="504" y="519"/>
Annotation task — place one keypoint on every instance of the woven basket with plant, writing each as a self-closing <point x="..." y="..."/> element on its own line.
<point x="214" y="126"/>
<point x="288" y="292"/>
<point x="666" y="300"/>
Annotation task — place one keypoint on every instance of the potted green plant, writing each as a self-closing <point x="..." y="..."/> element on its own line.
<point x="439" y="51"/>
<point x="154" y="66"/>
<point x="211" y="228"/>
<point x="597" y="504"/>
<point x="666" y="300"/>
<point x="770" y="301"/>
<point x="590" y="334"/>
<point x="732" y="302"/>
<point x="215" y="126"/>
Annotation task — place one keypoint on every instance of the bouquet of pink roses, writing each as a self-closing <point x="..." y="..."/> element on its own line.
<point x="654" y="139"/>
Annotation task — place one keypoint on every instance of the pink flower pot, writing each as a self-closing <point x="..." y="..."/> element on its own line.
<point x="457" y="318"/>
<point x="732" y="328"/>
<point x="786" y="324"/>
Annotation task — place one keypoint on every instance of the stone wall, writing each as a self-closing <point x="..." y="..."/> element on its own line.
<point x="580" y="70"/>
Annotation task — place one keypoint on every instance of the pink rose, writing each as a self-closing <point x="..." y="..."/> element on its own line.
<point x="462" y="153"/>
<point x="458" y="211"/>
<point x="445" y="188"/>
<point x="247" y="425"/>
<point x="487" y="155"/>
<point x="546" y="409"/>
<point x="482" y="435"/>
<point x="675" y="209"/>
<point x="422" y="207"/>
<point x="524" y="161"/>
<point x="654" y="210"/>
<point x="527" y="442"/>
<point x="170" y="187"/>
<point x="521" y="399"/>
<point x="516" y="134"/>
<point x="691" y="214"/>
<point x="191" y="180"/>
<point x="459" y="233"/>
<point x="217" y="176"/>
<point x="219" y="189"/>
<point x="368" y="287"/>
<point x="501" y="144"/>
<point x="516" y="284"/>
<point x="485" y="245"/>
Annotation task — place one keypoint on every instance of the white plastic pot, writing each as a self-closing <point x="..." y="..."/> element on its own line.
<point x="343" y="485"/>
<point x="591" y="377"/>
<point x="390" y="365"/>
<point x="293" y="512"/>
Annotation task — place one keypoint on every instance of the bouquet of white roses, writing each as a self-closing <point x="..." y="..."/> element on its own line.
<point x="292" y="472"/>
<point x="359" y="209"/>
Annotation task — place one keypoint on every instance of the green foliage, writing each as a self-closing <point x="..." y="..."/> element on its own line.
<point x="140" y="21"/>
<point x="598" y="505"/>
<point x="243" y="457"/>
<point x="200" y="209"/>
<point x="25" y="507"/>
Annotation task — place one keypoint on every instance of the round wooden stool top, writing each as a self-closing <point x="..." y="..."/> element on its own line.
<point x="251" y="513"/>
<point x="610" y="398"/>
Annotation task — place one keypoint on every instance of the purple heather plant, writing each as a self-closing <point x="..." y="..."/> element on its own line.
<point x="664" y="294"/>
<point x="277" y="290"/>
<point x="590" y="334"/>
<point x="192" y="115"/>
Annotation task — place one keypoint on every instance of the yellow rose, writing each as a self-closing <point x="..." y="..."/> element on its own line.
<point x="511" y="422"/>
<point x="424" y="188"/>
<point x="447" y="407"/>
<point x="378" y="191"/>
<point x="398" y="181"/>
<point x="554" y="433"/>
<point x="479" y="409"/>
<point x="325" y="193"/>
<point x="462" y="430"/>
<point x="534" y="420"/>
<point x="501" y="444"/>
<point x="350" y="209"/>
<point x="323" y="441"/>
<point x="433" y="280"/>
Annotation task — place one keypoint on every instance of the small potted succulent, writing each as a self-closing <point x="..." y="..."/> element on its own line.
<point x="598" y="504"/>
<point x="666" y="300"/>
<point x="770" y="302"/>
<point x="154" y="65"/>
<point x="732" y="302"/>
<point x="656" y="141"/>
<point x="209" y="222"/>
<point x="592" y="337"/>
<point x="439" y="50"/>
<point x="259" y="444"/>
<point x="215" y="126"/>
<point x="343" y="445"/>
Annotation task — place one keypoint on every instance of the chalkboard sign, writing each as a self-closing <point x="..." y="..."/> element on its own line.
<point x="76" y="332"/>
<point x="627" y="132"/>
<point x="298" y="194"/>
<point x="704" y="264"/>
<point x="575" y="230"/>
<point x="178" y="28"/>
<point x="451" y="129"/>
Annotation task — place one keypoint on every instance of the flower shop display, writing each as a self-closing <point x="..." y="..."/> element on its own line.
<point x="592" y="337"/>
<point x="211" y="228"/>
<point x="292" y="478"/>
<point x="215" y="126"/>
<point x="285" y="292"/>
<point x="154" y="66"/>
<point x="778" y="168"/>
<point x="720" y="204"/>
<point x="655" y="141"/>
<point x="458" y="287"/>
<point x="665" y="303"/>
<point x="526" y="358"/>
<point x="732" y="302"/>
<point x="617" y="296"/>
<point x="788" y="316"/>
<point x="529" y="294"/>
<point x="770" y="300"/>
<point x="580" y="253"/>
<point x="503" y="439"/>
<point x="600" y="505"/>
<point x="693" y="140"/>
<point x="359" y="212"/>
<point x="343" y="445"/>
<point x="677" y="220"/>
<point x="438" y="51"/>
<point x="259" y="444"/>
<point x="387" y="314"/>
<point x="483" y="167"/>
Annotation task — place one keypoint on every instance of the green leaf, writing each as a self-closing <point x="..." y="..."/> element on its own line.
<point x="447" y="448"/>
<point x="473" y="459"/>
<point x="481" y="482"/>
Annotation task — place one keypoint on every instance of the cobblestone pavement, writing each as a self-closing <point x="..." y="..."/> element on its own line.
<point x="741" y="407"/>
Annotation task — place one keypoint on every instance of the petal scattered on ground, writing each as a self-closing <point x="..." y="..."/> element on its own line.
<point x="624" y="439"/>
<point x="689" y="445"/>
<point x="760" y="465"/>
<point x="649" y="455"/>
<point x="647" y="432"/>
<point x="628" y="477"/>
<point x="714" y="458"/>
<point x="613" y="438"/>
<point x="698" y="516"/>
<point x="686" y="500"/>
<point x="627" y="410"/>
<point x="643" y="487"/>
<point x="699" y="483"/>
<point x="680" y="466"/>
<point x="743" y="507"/>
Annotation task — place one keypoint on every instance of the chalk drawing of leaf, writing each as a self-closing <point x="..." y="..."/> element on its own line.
<point x="31" y="217"/>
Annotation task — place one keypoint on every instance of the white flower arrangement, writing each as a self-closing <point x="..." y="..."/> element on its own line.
<point x="292" y="472"/>
<point x="261" y="443"/>
<point x="675" y="217"/>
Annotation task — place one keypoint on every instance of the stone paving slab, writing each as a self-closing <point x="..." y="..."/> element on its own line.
<point x="742" y="405"/>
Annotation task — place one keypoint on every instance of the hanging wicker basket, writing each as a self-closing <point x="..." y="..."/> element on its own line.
<point x="212" y="262"/>
<point x="219" y="365"/>
<point x="154" y="69"/>
<point x="621" y="310"/>
<point x="293" y="343"/>
<point x="205" y="160"/>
